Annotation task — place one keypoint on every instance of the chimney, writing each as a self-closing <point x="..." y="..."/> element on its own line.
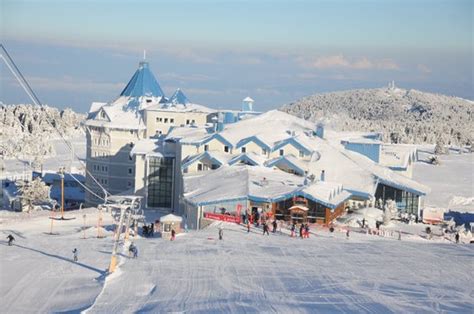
<point x="319" y="130"/>
<point x="323" y="175"/>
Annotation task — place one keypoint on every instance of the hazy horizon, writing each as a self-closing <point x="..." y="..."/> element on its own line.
<point x="72" y="53"/>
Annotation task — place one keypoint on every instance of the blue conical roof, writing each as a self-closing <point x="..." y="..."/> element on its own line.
<point x="179" y="98"/>
<point x="143" y="83"/>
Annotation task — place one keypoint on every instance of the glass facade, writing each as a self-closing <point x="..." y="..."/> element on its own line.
<point x="406" y="202"/>
<point x="160" y="182"/>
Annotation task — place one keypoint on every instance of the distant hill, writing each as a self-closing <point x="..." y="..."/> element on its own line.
<point x="26" y="130"/>
<point x="404" y="116"/>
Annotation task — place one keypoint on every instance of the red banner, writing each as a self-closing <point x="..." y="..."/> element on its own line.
<point x="227" y="218"/>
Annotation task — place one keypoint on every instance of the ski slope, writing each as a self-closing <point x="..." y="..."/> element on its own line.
<point x="242" y="273"/>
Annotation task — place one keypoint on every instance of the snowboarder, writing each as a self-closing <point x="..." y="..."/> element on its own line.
<point x="173" y="235"/>
<point x="10" y="239"/>
<point x="347" y="233"/>
<point x="293" y="230"/>
<point x="457" y="237"/>
<point x="75" y="252"/>
<point x="274" y="226"/>
<point x="221" y="233"/>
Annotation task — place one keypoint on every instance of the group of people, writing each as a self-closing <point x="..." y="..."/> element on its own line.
<point x="303" y="230"/>
<point x="148" y="231"/>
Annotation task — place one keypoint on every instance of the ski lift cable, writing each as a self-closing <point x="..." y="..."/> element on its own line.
<point x="24" y="83"/>
<point x="75" y="179"/>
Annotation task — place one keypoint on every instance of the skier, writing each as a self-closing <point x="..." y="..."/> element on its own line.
<point x="399" y="234"/>
<point x="135" y="251"/>
<point x="265" y="229"/>
<point x="173" y="235"/>
<point x="457" y="237"/>
<point x="363" y="222"/>
<point x="301" y="231"/>
<point x="293" y="229"/>
<point x="306" y="230"/>
<point x="10" y="239"/>
<point x="131" y="250"/>
<point x="221" y="233"/>
<point x="75" y="252"/>
<point x="248" y="226"/>
<point x="347" y="234"/>
<point x="274" y="226"/>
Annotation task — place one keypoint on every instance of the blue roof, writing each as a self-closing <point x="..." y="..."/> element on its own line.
<point x="143" y="83"/>
<point x="179" y="98"/>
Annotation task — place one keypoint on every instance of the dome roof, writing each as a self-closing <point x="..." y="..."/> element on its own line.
<point x="142" y="83"/>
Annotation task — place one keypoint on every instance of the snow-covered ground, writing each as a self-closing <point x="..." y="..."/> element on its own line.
<point x="451" y="182"/>
<point x="242" y="273"/>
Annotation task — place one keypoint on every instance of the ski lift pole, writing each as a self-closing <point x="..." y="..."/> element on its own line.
<point x="84" y="228"/>
<point x="113" y="259"/>
<point x="61" y="174"/>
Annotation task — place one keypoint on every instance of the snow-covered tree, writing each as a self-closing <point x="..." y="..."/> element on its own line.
<point x="390" y="210"/>
<point x="34" y="192"/>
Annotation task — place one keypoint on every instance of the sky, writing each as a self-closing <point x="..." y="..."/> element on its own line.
<point x="218" y="52"/>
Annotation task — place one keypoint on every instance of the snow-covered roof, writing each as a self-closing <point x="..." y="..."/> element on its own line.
<point x="179" y="107"/>
<point x="153" y="147"/>
<point x="49" y="177"/>
<point x="239" y="182"/>
<point x="179" y="98"/>
<point x="397" y="156"/>
<point x="171" y="218"/>
<point x="330" y="194"/>
<point x="143" y="83"/>
<point x="248" y="99"/>
<point x="189" y="134"/>
<point x="250" y="157"/>
<point x="216" y="157"/>
<point x="257" y="183"/>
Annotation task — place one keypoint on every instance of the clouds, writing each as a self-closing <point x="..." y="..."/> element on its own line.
<point x="339" y="61"/>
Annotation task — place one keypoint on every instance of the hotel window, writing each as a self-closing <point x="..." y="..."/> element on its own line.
<point x="187" y="122"/>
<point x="226" y="149"/>
<point x="171" y="120"/>
<point x="160" y="182"/>
<point x="193" y="121"/>
<point x="157" y="119"/>
<point x="166" y="120"/>
<point x="199" y="167"/>
<point x="206" y="147"/>
<point x="282" y="152"/>
<point x="130" y="170"/>
<point x="243" y="149"/>
<point x="301" y="154"/>
<point x="264" y="151"/>
<point x="129" y="183"/>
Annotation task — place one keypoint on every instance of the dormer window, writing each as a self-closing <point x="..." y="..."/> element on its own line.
<point x="102" y="114"/>
<point x="243" y="149"/>
<point x="301" y="154"/>
<point x="282" y="152"/>
<point x="206" y="147"/>
<point x="264" y="151"/>
<point x="226" y="149"/>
